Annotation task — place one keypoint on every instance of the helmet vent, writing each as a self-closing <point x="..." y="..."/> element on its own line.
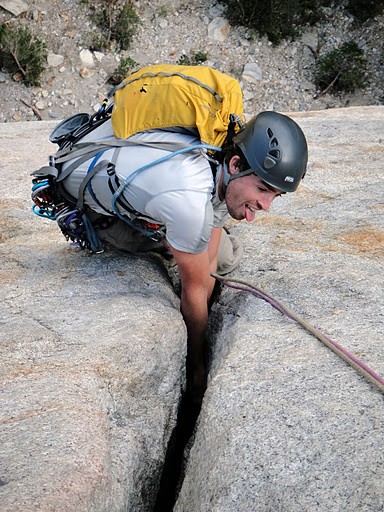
<point x="270" y="133"/>
<point x="275" y="153"/>
<point x="274" y="143"/>
<point x="269" y="162"/>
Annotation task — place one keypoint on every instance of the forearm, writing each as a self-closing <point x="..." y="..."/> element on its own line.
<point x="196" y="289"/>
<point x="212" y="280"/>
<point x="194" y="308"/>
<point x="213" y="248"/>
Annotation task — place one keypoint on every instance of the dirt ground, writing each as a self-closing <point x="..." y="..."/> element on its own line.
<point x="169" y="29"/>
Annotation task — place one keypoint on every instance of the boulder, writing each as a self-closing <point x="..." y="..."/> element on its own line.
<point x="252" y="73"/>
<point x="286" y="424"/>
<point x="55" y="60"/>
<point x="218" y="29"/>
<point x="92" y="358"/>
<point x="15" y="7"/>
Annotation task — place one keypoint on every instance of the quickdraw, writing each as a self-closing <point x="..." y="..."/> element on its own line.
<point x="42" y="197"/>
<point x="49" y="205"/>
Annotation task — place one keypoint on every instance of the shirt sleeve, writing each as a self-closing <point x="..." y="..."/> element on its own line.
<point x="220" y="215"/>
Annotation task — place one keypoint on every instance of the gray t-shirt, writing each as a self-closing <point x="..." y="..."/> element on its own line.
<point x="178" y="192"/>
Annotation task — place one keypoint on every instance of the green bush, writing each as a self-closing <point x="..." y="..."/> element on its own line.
<point x="363" y="10"/>
<point x="123" y="70"/>
<point x="22" y="53"/>
<point x="163" y="11"/>
<point x="277" y="19"/>
<point x="126" y="26"/>
<point x="117" y="24"/>
<point x="342" y="69"/>
<point x="195" y="59"/>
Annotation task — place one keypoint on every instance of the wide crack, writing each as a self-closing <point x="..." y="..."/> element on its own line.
<point x="171" y="478"/>
<point x="173" y="470"/>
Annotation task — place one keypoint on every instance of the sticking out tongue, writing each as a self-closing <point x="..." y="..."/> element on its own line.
<point x="249" y="214"/>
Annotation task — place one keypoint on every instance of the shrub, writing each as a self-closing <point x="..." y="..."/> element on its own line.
<point x="22" y="53"/>
<point x="163" y="11"/>
<point x="123" y="70"/>
<point x="363" y="10"/>
<point x="342" y="69"/>
<point x="117" y="24"/>
<point x="126" y="26"/>
<point x="194" y="60"/>
<point x="277" y="19"/>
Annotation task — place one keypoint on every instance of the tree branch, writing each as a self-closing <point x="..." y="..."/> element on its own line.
<point x="321" y="93"/>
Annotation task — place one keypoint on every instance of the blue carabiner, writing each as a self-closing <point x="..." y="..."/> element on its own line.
<point x="43" y="212"/>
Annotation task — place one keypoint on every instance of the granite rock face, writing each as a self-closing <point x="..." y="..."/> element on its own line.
<point x="286" y="425"/>
<point x="93" y="350"/>
<point x="92" y="358"/>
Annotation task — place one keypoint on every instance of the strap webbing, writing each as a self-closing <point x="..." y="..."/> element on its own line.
<point x="76" y="164"/>
<point x="84" y="183"/>
<point x="92" y="238"/>
<point x="86" y="150"/>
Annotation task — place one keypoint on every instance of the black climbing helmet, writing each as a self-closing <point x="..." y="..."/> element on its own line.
<point x="276" y="150"/>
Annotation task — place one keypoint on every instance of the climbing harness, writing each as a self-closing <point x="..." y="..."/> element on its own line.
<point x="349" y="358"/>
<point x="49" y="198"/>
<point x="73" y="222"/>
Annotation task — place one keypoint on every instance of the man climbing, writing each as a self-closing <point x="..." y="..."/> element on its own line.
<point x="164" y="183"/>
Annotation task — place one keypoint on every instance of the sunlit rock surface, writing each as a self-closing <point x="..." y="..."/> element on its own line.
<point x="286" y="425"/>
<point x="92" y="358"/>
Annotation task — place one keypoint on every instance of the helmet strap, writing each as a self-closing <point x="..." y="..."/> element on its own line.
<point x="227" y="177"/>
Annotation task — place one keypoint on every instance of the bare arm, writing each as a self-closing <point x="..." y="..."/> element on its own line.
<point x="196" y="290"/>
<point x="213" y="246"/>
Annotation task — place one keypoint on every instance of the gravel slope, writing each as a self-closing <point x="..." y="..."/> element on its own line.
<point x="169" y="29"/>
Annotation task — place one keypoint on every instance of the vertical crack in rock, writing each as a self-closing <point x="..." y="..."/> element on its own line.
<point x="172" y="470"/>
<point x="181" y="439"/>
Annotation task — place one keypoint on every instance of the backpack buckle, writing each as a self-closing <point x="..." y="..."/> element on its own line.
<point x="111" y="169"/>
